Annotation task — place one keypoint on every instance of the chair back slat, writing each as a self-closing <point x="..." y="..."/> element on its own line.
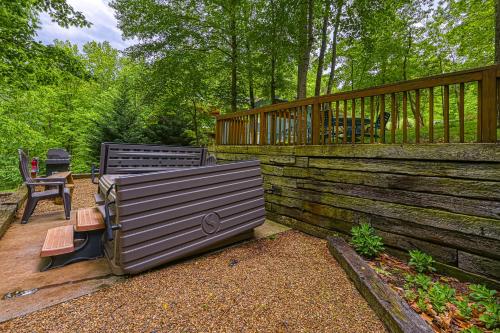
<point x="387" y="115"/>
<point x="23" y="166"/>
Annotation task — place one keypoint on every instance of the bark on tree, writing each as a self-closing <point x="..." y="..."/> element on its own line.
<point x="321" y="57"/>
<point x="306" y="42"/>
<point x="333" y="62"/>
<point x="250" y="76"/>
<point x="273" y="54"/>
<point x="497" y="32"/>
<point x="234" y="61"/>
<point x="273" y="78"/>
<point x="195" y="122"/>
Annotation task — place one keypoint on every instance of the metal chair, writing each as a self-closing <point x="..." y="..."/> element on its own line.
<point x="54" y="187"/>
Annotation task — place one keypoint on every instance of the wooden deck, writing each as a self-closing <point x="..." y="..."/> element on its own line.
<point x="327" y="120"/>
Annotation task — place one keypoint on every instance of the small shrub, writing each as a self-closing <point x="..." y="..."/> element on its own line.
<point x="420" y="281"/>
<point x="365" y="241"/>
<point x="480" y="293"/>
<point x="440" y="295"/>
<point x="422" y="301"/>
<point x="421" y="261"/>
<point x="491" y="315"/>
<point x="464" y="308"/>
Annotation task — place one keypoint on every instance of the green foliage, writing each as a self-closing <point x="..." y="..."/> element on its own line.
<point x="422" y="301"/>
<point x="439" y="295"/>
<point x="422" y="262"/>
<point x="420" y="281"/>
<point x="472" y="329"/>
<point x="480" y="293"/>
<point x="365" y="241"/>
<point x="464" y="308"/>
<point x="487" y="303"/>
<point x="491" y="315"/>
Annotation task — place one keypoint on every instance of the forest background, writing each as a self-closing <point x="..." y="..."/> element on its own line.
<point x="196" y="57"/>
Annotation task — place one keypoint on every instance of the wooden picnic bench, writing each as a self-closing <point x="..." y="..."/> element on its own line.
<point x="70" y="183"/>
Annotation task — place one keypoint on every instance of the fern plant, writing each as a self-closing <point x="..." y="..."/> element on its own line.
<point x="365" y="241"/>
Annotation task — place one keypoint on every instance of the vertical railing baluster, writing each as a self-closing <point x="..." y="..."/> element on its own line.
<point x="362" y="120"/>
<point x="393" y="118"/>
<point x="382" y="118"/>
<point x="431" y="115"/>
<point x="344" y="128"/>
<point x="446" y="113"/>
<point x="330" y="123"/>
<point x="405" y="117"/>
<point x="372" y="118"/>
<point x="337" y="115"/>
<point x="417" y="116"/>
<point x="353" y="121"/>
<point x="461" y="102"/>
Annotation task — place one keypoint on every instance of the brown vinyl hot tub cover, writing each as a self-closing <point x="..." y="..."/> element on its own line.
<point x="167" y="215"/>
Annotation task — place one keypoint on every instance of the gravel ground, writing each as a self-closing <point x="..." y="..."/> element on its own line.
<point x="289" y="283"/>
<point x="286" y="284"/>
<point x="82" y="197"/>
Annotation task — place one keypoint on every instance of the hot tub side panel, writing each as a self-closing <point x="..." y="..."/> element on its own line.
<point x="168" y="215"/>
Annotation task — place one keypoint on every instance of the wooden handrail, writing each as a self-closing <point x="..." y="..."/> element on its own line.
<point x="308" y="121"/>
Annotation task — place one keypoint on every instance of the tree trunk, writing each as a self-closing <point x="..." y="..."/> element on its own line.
<point x="273" y="77"/>
<point x="333" y="63"/>
<point x="234" y="60"/>
<point x="250" y="76"/>
<point x="497" y="47"/>
<point x="195" y="122"/>
<point x="273" y="53"/>
<point x="305" y="46"/>
<point x="497" y="32"/>
<point x="321" y="58"/>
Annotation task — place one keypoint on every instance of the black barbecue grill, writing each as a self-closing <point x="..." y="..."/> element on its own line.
<point x="57" y="161"/>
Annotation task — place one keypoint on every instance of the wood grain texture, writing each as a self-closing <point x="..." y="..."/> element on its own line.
<point x="443" y="201"/>
<point x="389" y="306"/>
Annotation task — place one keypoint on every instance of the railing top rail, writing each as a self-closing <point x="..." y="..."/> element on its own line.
<point x="465" y="76"/>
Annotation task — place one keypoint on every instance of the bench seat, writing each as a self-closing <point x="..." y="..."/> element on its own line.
<point x="58" y="241"/>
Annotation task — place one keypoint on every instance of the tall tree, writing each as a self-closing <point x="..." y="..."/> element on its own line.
<point x="305" y="40"/>
<point x="333" y="62"/>
<point x="497" y="31"/>
<point x="322" y="50"/>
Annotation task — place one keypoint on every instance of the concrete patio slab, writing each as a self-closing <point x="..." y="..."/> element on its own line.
<point x="21" y="262"/>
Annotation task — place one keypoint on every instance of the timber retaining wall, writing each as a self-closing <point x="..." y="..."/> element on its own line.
<point x="441" y="199"/>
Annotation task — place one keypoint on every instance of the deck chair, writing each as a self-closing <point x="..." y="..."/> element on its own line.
<point x="376" y="127"/>
<point x="54" y="187"/>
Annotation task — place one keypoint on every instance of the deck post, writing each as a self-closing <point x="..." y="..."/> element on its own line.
<point x="315" y="122"/>
<point x="488" y="110"/>
<point x="263" y="129"/>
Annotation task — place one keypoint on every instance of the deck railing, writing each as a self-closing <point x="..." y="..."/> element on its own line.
<point x="454" y="107"/>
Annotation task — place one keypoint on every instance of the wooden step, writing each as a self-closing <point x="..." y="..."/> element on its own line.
<point x="111" y="212"/>
<point x="99" y="199"/>
<point x="88" y="219"/>
<point x="58" y="241"/>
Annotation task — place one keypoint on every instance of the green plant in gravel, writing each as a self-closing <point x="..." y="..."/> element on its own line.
<point x="365" y="241"/>
<point x="421" y="261"/>
<point x="439" y="295"/>
<point x="463" y="307"/>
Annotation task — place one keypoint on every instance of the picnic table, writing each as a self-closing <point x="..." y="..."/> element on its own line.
<point x="70" y="184"/>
